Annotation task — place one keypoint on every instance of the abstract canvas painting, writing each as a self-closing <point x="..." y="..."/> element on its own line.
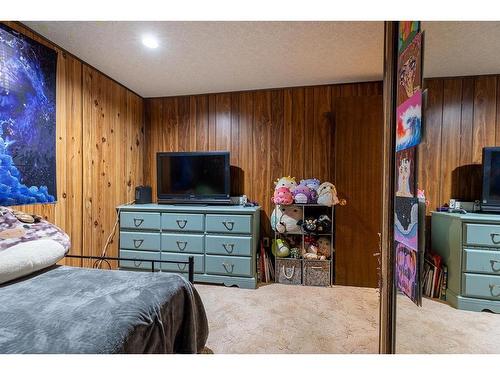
<point x="407" y="30"/>
<point x="410" y="70"/>
<point x="409" y="122"/>
<point x="406" y="221"/>
<point x="407" y="271"/>
<point x="405" y="173"/>
<point x="27" y="120"/>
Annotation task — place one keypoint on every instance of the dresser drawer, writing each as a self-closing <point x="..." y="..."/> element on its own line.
<point x="482" y="234"/>
<point x="140" y="241"/>
<point x="229" y="223"/>
<point x="182" y="222"/>
<point x="140" y="261"/>
<point x="229" y="245"/>
<point x="140" y="220"/>
<point x="229" y="266"/>
<point x="482" y="286"/>
<point x="182" y="243"/>
<point x="199" y="262"/>
<point x="482" y="261"/>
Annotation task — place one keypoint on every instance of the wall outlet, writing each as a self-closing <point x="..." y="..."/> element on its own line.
<point x="265" y="241"/>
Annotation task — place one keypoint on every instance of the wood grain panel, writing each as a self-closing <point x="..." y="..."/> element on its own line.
<point x="484" y="115"/>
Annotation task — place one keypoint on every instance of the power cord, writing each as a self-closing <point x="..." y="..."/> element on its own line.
<point x="98" y="263"/>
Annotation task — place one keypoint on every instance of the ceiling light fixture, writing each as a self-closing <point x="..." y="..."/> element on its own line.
<point x="150" y="41"/>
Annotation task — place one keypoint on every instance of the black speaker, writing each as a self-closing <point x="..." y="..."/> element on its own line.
<point x="143" y="195"/>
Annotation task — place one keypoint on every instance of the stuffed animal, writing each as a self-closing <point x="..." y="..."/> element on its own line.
<point x="324" y="247"/>
<point x="294" y="253"/>
<point x="288" y="182"/>
<point x="313" y="185"/>
<point x="283" y="196"/>
<point x="280" y="248"/>
<point x="311" y="248"/>
<point x="309" y="224"/>
<point x="302" y="194"/>
<point x="284" y="219"/>
<point x="323" y="224"/>
<point x="327" y="195"/>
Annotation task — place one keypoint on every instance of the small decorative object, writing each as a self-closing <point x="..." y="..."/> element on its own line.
<point x="280" y="248"/>
<point x="324" y="247"/>
<point x="313" y="185"/>
<point x="24" y="217"/>
<point x="310" y="250"/>
<point x="295" y="253"/>
<point x="302" y="194"/>
<point x="309" y="225"/>
<point x="282" y="195"/>
<point x="285" y="219"/>
<point x="323" y="224"/>
<point x="327" y="195"/>
<point x="288" y="182"/>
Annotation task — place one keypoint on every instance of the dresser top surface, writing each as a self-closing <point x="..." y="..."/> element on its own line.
<point x="153" y="207"/>
<point x="476" y="217"/>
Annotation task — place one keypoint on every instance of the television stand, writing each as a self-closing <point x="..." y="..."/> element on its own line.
<point x="196" y="202"/>
<point x="223" y="240"/>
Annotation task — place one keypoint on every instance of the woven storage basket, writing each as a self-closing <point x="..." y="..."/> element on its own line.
<point x="317" y="272"/>
<point x="289" y="271"/>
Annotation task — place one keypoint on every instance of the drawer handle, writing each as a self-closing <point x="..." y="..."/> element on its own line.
<point x="288" y="277"/>
<point x="181" y="268"/>
<point x="182" y="245"/>
<point x="181" y="223"/>
<point x="228" y="267"/>
<point x="138" y="222"/>
<point x="229" y="247"/>
<point x="492" y="287"/>
<point x="138" y="243"/>
<point x="228" y="224"/>
<point x="316" y="268"/>
<point x="137" y="263"/>
<point x="493" y="238"/>
<point x="492" y="262"/>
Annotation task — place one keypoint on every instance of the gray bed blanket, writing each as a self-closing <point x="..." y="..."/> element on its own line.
<point x="79" y="310"/>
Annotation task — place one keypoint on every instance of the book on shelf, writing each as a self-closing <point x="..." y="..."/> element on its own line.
<point x="434" y="276"/>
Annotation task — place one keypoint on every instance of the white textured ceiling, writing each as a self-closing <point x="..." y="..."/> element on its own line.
<point x="203" y="57"/>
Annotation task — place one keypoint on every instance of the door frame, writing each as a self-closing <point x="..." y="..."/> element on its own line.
<point x="387" y="317"/>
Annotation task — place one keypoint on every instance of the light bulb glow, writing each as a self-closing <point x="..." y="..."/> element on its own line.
<point x="150" y="41"/>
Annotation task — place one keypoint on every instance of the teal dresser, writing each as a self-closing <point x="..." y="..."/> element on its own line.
<point x="222" y="239"/>
<point x="470" y="247"/>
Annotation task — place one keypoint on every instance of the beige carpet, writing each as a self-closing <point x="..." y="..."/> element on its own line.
<point x="296" y="319"/>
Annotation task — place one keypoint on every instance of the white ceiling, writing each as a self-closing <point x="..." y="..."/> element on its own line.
<point x="203" y="57"/>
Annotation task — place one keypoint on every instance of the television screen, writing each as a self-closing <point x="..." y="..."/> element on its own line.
<point x="491" y="176"/>
<point x="193" y="175"/>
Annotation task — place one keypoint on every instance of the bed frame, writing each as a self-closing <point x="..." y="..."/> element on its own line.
<point x="190" y="262"/>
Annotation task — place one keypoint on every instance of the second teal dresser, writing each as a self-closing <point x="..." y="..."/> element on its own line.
<point x="222" y="239"/>
<point x="470" y="247"/>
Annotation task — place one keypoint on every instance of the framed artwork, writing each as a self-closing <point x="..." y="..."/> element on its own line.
<point x="407" y="280"/>
<point x="406" y="222"/>
<point x="405" y="172"/>
<point x="407" y="30"/>
<point x="27" y="120"/>
<point x="409" y="122"/>
<point x="410" y="70"/>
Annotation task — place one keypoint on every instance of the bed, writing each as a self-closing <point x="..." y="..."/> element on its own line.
<point x="47" y="308"/>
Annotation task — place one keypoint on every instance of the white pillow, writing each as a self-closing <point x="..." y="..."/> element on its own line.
<point x="28" y="257"/>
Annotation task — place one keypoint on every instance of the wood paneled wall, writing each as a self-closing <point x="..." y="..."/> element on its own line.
<point x="99" y="152"/>
<point x="462" y="116"/>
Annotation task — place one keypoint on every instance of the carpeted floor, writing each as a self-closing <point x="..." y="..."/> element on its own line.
<point x="279" y="318"/>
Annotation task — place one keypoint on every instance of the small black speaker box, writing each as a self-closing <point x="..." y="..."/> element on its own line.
<point x="143" y="195"/>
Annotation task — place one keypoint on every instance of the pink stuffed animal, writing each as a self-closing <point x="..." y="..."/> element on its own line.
<point x="282" y="196"/>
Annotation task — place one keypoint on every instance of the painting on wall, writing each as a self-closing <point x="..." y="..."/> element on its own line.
<point x="407" y="280"/>
<point x="410" y="70"/>
<point x="406" y="221"/>
<point x="409" y="122"/>
<point x="407" y="30"/>
<point x="405" y="173"/>
<point x="27" y="120"/>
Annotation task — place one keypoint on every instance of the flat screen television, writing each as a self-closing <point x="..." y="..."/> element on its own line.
<point x="193" y="177"/>
<point x="490" y="200"/>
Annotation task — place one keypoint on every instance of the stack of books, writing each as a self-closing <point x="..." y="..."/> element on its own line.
<point x="435" y="277"/>
<point x="265" y="268"/>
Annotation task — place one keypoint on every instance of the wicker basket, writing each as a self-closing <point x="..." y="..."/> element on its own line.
<point x="289" y="271"/>
<point x="317" y="272"/>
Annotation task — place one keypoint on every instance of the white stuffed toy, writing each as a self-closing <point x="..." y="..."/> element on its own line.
<point x="327" y="195"/>
<point x="284" y="219"/>
<point x="287" y="182"/>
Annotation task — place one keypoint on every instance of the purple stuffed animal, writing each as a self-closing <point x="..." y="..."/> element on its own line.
<point x="302" y="194"/>
<point x="313" y="185"/>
